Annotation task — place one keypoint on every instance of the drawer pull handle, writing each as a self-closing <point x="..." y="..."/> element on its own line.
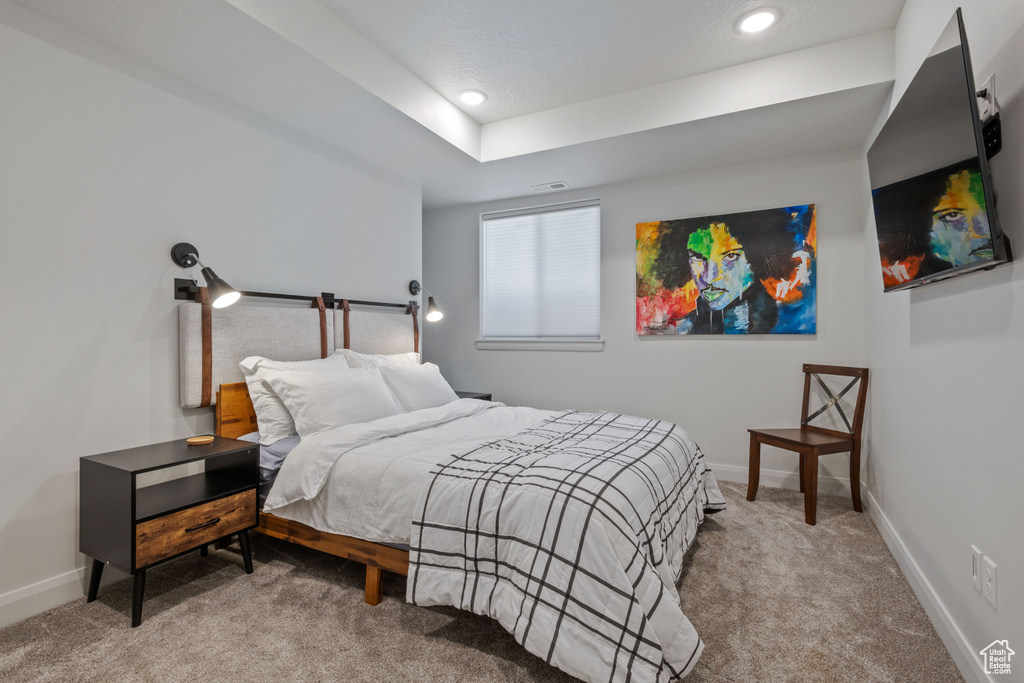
<point x="203" y="526"/>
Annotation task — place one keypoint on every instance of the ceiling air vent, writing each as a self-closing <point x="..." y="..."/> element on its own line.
<point x="551" y="187"/>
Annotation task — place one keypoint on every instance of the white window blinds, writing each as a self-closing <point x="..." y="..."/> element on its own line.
<point x="540" y="272"/>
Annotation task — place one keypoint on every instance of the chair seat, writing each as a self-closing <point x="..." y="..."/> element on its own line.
<point x="823" y="443"/>
<point x="810" y="440"/>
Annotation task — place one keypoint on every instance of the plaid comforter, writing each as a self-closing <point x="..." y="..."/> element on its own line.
<point x="572" y="536"/>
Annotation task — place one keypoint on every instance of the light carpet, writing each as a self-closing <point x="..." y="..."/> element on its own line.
<point x="773" y="598"/>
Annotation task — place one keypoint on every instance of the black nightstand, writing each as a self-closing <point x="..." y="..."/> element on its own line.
<point x="135" y="528"/>
<point x="473" y="394"/>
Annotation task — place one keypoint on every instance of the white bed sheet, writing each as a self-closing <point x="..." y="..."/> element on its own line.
<point x="364" y="480"/>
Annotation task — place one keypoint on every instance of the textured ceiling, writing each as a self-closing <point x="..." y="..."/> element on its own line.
<point x="532" y="55"/>
<point x="228" y="56"/>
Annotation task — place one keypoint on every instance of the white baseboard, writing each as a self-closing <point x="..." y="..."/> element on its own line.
<point x="31" y="600"/>
<point x="783" y="479"/>
<point x="53" y="592"/>
<point x="952" y="637"/>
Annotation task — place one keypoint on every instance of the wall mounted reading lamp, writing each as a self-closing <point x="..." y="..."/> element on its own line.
<point x="221" y="293"/>
<point x="433" y="312"/>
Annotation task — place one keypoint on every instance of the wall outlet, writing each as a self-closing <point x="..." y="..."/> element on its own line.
<point x="989" y="581"/>
<point x="976" y="567"/>
<point x="987" y="105"/>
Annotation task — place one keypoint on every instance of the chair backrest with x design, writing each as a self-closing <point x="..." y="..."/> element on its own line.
<point x="833" y="406"/>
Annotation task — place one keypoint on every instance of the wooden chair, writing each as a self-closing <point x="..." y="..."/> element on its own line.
<point x="811" y="441"/>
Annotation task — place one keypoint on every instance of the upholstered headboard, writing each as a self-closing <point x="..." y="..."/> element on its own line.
<point x="377" y="330"/>
<point x="281" y="333"/>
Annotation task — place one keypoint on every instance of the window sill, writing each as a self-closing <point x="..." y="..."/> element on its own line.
<point x="540" y="344"/>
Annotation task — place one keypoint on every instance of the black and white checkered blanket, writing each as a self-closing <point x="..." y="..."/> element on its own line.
<point x="572" y="536"/>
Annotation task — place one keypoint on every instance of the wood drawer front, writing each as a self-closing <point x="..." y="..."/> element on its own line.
<point x="168" y="535"/>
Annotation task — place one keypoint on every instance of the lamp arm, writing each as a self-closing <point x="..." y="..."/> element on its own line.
<point x="189" y="270"/>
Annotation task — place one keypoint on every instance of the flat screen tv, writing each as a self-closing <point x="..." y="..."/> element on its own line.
<point x="930" y="183"/>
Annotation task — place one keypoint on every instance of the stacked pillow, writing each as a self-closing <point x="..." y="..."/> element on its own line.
<point x="308" y="397"/>
<point x="418" y="386"/>
<point x="363" y="360"/>
<point x="272" y="416"/>
<point x="414" y="386"/>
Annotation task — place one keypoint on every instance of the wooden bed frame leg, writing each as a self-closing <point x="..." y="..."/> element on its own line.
<point x="374" y="591"/>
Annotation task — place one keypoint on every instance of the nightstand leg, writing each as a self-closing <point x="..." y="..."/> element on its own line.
<point x="138" y="590"/>
<point x="243" y="543"/>
<point x="94" y="580"/>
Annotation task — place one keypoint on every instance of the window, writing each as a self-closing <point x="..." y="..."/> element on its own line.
<point x="540" y="277"/>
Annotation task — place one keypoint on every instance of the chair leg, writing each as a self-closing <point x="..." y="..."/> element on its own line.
<point x="855" y="478"/>
<point x="811" y="482"/>
<point x="754" y="473"/>
<point x="802" y="465"/>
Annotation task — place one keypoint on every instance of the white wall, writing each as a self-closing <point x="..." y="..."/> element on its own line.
<point x="99" y="175"/>
<point x="946" y="405"/>
<point x="716" y="387"/>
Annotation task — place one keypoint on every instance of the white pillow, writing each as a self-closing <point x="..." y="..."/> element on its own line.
<point x="272" y="417"/>
<point x="418" y="386"/>
<point x="364" y="360"/>
<point x="330" y="397"/>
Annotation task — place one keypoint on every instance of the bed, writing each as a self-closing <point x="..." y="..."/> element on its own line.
<point x="568" y="528"/>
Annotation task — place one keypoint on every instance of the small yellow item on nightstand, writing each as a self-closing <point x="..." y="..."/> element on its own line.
<point x="199" y="440"/>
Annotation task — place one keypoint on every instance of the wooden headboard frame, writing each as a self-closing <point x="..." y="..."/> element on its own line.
<point x="234" y="414"/>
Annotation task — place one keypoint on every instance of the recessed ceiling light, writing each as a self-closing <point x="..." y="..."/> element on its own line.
<point x="472" y="97"/>
<point x="758" y="20"/>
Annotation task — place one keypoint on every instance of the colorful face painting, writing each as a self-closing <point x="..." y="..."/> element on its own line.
<point x="741" y="273"/>
<point x="932" y="222"/>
